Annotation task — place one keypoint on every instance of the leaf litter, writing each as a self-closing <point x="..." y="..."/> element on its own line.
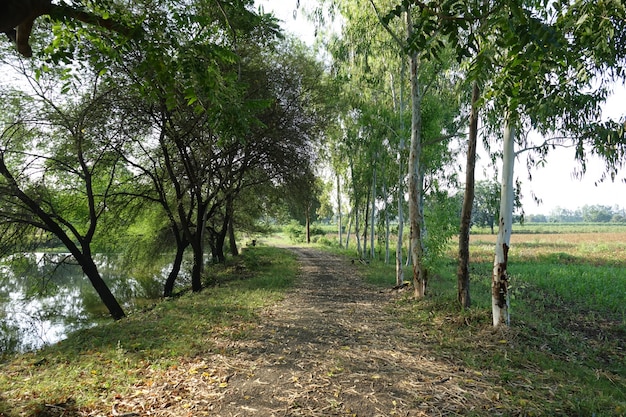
<point x="332" y="347"/>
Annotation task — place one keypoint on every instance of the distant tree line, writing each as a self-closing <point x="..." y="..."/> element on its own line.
<point x="595" y="213"/>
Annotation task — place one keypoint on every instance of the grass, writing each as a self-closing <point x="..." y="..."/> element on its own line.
<point x="559" y="228"/>
<point x="86" y="366"/>
<point x="564" y="354"/>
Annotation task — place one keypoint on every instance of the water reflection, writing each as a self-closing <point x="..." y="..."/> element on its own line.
<point x="45" y="296"/>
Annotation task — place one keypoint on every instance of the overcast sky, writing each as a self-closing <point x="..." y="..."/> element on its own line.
<point x="554" y="183"/>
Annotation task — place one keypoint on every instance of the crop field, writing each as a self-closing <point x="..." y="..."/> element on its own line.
<point x="584" y="268"/>
<point x="565" y="351"/>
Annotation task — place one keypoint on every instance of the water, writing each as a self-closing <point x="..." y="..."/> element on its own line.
<point x="44" y="296"/>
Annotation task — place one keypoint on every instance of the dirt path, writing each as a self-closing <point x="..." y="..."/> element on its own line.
<point x="332" y="348"/>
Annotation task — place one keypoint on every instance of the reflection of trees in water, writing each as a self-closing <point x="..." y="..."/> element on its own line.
<point x="41" y="300"/>
<point x="45" y="296"/>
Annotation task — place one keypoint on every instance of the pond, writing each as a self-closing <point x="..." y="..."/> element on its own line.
<point x="45" y="296"/>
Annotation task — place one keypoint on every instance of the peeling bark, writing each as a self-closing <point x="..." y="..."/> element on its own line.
<point x="499" y="284"/>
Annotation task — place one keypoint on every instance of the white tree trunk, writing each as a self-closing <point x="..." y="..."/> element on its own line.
<point x="359" y="251"/>
<point x="373" y="216"/>
<point x="366" y="219"/>
<point x="387" y="232"/>
<point x="355" y="210"/>
<point x="499" y="284"/>
<point x="399" y="266"/>
<point x="339" y="225"/>
<point x="349" y="229"/>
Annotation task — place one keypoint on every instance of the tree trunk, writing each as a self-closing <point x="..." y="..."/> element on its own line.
<point x="355" y="210"/>
<point x="220" y="241"/>
<point x="500" y="281"/>
<point x="197" y="245"/>
<point x="416" y="184"/>
<point x="387" y="231"/>
<point x="91" y="271"/>
<point x="231" y="237"/>
<point x="373" y="216"/>
<point x="82" y="254"/>
<point x="308" y="224"/>
<point x="356" y="231"/>
<point x="198" y="262"/>
<point x="463" y="275"/>
<point x="349" y="229"/>
<point x="339" y="219"/>
<point x="399" y="246"/>
<point x="367" y="217"/>
<point x="168" y="290"/>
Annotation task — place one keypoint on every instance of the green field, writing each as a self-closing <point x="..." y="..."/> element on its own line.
<point x="565" y="352"/>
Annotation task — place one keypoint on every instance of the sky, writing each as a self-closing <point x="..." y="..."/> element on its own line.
<point x="554" y="184"/>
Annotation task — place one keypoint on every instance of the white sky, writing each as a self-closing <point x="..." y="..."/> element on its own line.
<point x="554" y="183"/>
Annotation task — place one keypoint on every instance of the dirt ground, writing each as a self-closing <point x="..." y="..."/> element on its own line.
<point x="330" y="348"/>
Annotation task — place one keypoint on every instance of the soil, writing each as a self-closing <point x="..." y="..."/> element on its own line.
<point x="331" y="348"/>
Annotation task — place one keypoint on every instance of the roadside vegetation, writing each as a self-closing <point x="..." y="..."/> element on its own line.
<point x="91" y="367"/>
<point x="564" y="353"/>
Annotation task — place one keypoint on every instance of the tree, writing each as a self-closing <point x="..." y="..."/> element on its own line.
<point x="548" y="76"/>
<point x="518" y="38"/>
<point x="246" y="125"/>
<point x="486" y="204"/>
<point x="61" y="176"/>
<point x="18" y="18"/>
<point x="369" y="54"/>
<point x="462" y="28"/>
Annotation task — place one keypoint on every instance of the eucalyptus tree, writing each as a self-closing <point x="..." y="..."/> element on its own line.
<point x="552" y="80"/>
<point x="467" y="30"/>
<point x="392" y="46"/>
<point x="532" y="69"/>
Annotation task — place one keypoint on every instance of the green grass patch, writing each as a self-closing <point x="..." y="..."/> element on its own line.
<point x="92" y="365"/>
<point x="565" y="352"/>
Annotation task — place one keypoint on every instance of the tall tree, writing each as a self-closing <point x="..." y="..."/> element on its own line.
<point x="367" y="54"/>
<point x="61" y="176"/>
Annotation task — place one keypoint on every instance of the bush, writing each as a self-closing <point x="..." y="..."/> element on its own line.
<point x="296" y="232"/>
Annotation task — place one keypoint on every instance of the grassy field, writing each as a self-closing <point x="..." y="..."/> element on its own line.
<point x="564" y="354"/>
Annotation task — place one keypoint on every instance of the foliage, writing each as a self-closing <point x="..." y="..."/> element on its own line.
<point x="442" y="222"/>
<point x="587" y="213"/>
<point x="297" y="232"/>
